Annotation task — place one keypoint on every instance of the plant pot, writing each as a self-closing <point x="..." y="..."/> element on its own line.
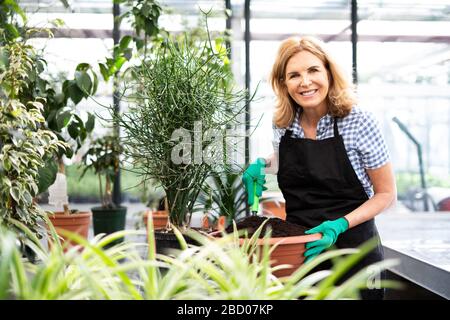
<point x="160" y="219"/>
<point x="289" y="250"/>
<point x="77" y="222"/>
<point x="109" y="220"/>
<point x="28" y="253"/>
<point x="167" y="241"/>
<point x="219" y="224"/>
<point x="289" y="238"/>
<point x="274" y="208"/>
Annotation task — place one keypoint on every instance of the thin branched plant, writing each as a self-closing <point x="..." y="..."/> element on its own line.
<point x="181" y="112"/>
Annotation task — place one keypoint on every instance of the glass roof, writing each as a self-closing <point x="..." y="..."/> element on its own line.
<point x="403" y="55"/>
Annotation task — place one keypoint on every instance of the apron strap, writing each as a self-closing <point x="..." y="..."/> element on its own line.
<point x="335" y="127"/>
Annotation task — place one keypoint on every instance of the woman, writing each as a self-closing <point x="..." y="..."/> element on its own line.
<point x="330" y="158"/>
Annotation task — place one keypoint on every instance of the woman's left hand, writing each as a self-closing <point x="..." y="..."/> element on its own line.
<point x="330" y="230"/>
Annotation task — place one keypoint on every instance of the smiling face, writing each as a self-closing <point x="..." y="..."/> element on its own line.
<point x="307" y="81"/>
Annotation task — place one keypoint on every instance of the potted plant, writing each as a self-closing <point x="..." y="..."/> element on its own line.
<point x="64" y="120"/>
<point x="179" y="104"/>
<point x="157" y="208"/>
<point x="229" y="201"/>
<point x="103" y="157"/>
<point x="222" y="199"/>
<point x="156" y="204"/>
<point x="24" y="140"/>
<point x="58" y="106"/>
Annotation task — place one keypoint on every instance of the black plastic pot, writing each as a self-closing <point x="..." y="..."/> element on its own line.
<point x="106" y="220"/>
<point x="167" y="241"/>
<point x="28" y="253"/>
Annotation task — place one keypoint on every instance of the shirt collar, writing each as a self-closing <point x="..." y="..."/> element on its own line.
<point x="324" y="122"/>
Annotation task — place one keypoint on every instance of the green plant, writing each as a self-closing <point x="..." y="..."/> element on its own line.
<point x="12" y="17"/>
<point x="223" y="195"/>
<point x="178" y="93"/>
<point x="88" y="187"/>
<point x="219" y="269"/>
<point x="143" y="16"/>
<point x="24" y="140"/>
<point x="103" y="157"/>
<point x="59" y="112"/>
<point x="64" y="120"/>
<point x="408" y="180"/>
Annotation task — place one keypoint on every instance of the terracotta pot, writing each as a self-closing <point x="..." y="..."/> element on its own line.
<point x="274" y="208"/>
<point x="77" y="223"/>
<point x="160" y="219"/>
<point x="289" y="250"/>
<point x="219" y="225"/>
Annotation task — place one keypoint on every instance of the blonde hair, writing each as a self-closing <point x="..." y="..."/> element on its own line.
<point x="340" y="98"/>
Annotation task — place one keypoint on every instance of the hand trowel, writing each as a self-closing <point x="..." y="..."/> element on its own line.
<point x="255" y="206"/>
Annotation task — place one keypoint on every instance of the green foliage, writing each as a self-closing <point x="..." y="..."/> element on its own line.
<point x="220" y="269"/>
<point x="409" y="180"/>
<point x="24" y="141"/>
<point x="180" y="86"/>
<point x="47" y="175"/>
<point x="76" y="188"/>
<point x="103" y="157"/>
<point x="89" y="185"/>
<point x="144" y="16"/>
<point x="61" y="115"/>
<point x="223" y="195"/>
<point x="121" y="54"/>
<point x="59" y="112"/>
<point x="10" y="26"/>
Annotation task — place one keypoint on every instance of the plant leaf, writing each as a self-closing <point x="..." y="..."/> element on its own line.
<point x="63" y="118"/>
<point x="74" y="92"/>
<point x="83" y="81"/>
<point x="90" y="123"/>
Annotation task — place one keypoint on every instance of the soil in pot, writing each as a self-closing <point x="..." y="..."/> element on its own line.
<point x="279" y="227"/>
<point x="289" y="238"/>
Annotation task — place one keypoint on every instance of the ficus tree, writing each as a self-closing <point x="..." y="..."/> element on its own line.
<point x="24" y="140"/>
<point x="59" y="101"/>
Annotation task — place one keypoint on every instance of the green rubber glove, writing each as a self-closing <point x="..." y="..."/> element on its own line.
<point x="254" y="173"/>
<point x="330" y="230"/>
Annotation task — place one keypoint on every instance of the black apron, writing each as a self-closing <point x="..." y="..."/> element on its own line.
<point x="318" y="183"/>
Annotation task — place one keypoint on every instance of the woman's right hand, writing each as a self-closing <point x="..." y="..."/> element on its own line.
<point x="255" y="173"/>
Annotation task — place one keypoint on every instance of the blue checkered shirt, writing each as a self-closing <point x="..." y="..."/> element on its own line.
<point x="360" y="130"/>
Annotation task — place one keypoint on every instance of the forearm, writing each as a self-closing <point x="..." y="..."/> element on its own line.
<point x="369" y="209"/>
<point x="272" y="163"/>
